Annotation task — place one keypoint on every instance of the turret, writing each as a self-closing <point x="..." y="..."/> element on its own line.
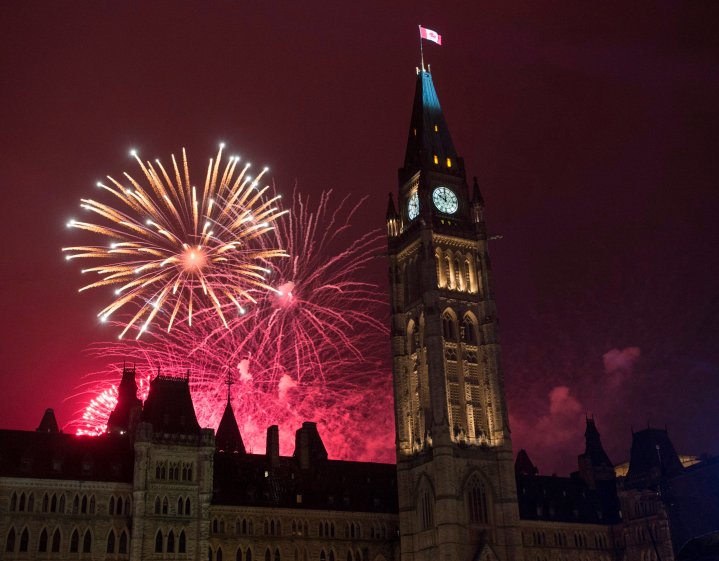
<point x="477" y="203"/>
<point x="594" y="464"/>
<point x="228" y="437"/>
<point x="393" y="222"/>
<point x="125" y="415"/>
<point x="48" y="422"/>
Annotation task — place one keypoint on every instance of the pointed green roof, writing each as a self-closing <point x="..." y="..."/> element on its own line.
<point x="428" y="132"/>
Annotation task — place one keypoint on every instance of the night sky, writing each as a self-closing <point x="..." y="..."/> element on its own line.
<point x="593" y="130"/>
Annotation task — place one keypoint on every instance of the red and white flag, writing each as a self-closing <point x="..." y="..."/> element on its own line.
<point x="430" y="35"/>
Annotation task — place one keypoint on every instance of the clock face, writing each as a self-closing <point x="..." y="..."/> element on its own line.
<point x="413" y="206"/>
<point x="445" y="200"/>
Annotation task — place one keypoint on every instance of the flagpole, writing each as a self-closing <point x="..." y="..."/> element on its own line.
<point x="421" y="52"/>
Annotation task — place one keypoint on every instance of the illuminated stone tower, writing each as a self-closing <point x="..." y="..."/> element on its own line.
<point x="457" y="492"/>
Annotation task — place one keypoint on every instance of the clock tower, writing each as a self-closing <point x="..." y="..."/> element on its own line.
<point x="457" y="493"/>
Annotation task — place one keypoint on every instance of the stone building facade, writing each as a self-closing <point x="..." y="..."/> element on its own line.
<point x="158" y="486"/>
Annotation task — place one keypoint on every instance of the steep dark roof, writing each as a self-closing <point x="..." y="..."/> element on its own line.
<point x="652" y="456"/>
<point x="253" y="480"/>
<point x="523" y="465"/>
<point x="48" y="423"/>
<point x="169" y="407"/>
<point x="228" y="437"/>
<point x="53" y="455"/>
<point x="423" y="140"/>
<point x="127" y="402"/>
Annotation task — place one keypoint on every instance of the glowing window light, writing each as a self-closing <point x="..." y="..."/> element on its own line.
<point x="449" y="162"/>
<point x="436" y="159"/>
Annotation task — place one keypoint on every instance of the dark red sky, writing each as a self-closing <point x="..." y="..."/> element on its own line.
<point x="593" y="129"/>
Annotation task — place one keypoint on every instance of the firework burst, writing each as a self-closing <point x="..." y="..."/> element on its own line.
<point x="312" y="348"/>
<point x="171" y="249"/>
<point x="92" y="418"/>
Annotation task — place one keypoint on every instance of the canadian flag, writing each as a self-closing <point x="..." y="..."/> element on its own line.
<point x="430" y="35"/>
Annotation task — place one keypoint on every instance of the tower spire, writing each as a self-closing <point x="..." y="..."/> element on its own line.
<point x="429" y="143"/>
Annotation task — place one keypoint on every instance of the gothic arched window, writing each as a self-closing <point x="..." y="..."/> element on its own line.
<point x="158" y="542"/>
<point x="111" y="542"/>
<point x="87" y="542"/>
<point x="171" y="542"/>
<point x="123" y="542"/>
<point x="426" y="511"/>
<point x="441" y="277"/>
<point x="42" y="542"/>
<point x="56" y="541"/>
<point x="182" y="543"/>
<point x="477" y="505"/>
<point x="74" y="541"/>
<point x="469" y="329"/>
<point x="459" y="282"/>
<point x="10" y="541"/>
<point x="449" y="272"/>
<point x="24" y="539"/>
<point x="449" y="330"/>
<point x="471" y="275"/>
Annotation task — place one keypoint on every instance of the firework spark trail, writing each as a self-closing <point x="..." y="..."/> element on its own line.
<point x="92" y="418"/>
<point x="313" y="348"/>
<point x="172" y="249"/>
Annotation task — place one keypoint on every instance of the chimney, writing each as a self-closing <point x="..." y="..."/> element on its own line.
<point x="308" y="445"/>
<point x="273" y="445"/>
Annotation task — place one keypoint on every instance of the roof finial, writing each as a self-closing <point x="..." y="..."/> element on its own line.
<point x="421" y="51"/>
<point x="229" y="384"/>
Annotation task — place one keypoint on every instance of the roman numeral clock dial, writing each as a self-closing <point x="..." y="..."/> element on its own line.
<point x="445" y="200"/>
<point x="413" y="206"/>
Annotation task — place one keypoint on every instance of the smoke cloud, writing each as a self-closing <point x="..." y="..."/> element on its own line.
<point x="619" y="364"/>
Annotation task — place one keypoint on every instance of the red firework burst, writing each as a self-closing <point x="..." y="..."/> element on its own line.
<point x="314" y="348"/>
